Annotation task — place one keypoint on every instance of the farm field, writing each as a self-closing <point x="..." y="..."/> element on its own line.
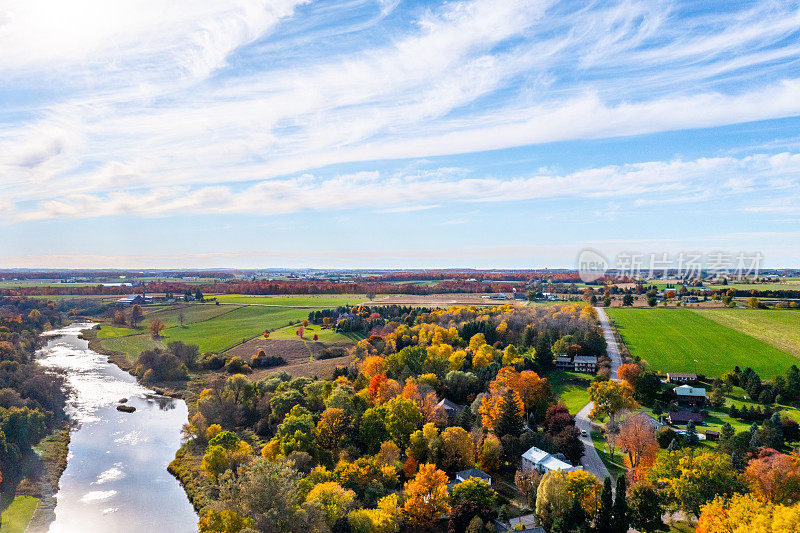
<point x="572" y="388"/>
<point x="16" y="516"/>
<point x="681" y="340"/>
<point x="780" y="328"/>
<point x="325" y="335"/>
<point x="320" y="302"/>
<point x="213" y="328"/>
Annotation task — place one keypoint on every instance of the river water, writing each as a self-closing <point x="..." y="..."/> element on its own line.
<point x="116" y="478"/>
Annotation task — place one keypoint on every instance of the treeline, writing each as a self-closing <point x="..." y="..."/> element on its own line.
<point x="32" y="399"/>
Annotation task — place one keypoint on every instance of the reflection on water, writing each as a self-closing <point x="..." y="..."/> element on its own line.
<point x="116" y="477"/>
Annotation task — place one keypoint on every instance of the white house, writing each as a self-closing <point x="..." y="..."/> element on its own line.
<point x="536" y="459"/>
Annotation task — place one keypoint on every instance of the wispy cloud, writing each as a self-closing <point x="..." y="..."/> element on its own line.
<point x="655" y="181"/>
<point x="151" y="114"/>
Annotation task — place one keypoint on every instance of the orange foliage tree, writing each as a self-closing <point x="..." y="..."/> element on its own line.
<point x="426" y="497"/>
<point x="637" y="439"/>
<point x="630" y="373"/>
<point x="775" y="477"/>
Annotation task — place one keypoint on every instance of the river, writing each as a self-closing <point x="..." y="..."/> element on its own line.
<point x="116" y="478"/>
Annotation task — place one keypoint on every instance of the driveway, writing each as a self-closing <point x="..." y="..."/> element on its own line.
<point x="611" y="342"/>
<point x="591" y="459"/>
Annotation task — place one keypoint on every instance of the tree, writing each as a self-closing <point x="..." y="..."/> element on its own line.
<point x="181" y="317"/>
<point x="585" y="489"/>
<point x="604" y="521"/>
<point x="645" y="508"/>
<point x="610" y="397"/>
<point x="527" y="482"/>
<point x="403" y="416"/>
<point x="509" y="420"/>
<point x="744" y="513"/>
<point x="627" y="300"/>
<point x="621" y="521"/>
<point x="462" y="516"/>
<point x="630" y="373"/>
<point x="637" y="440"/>
<point x="269" y="494"/>
<point x="384" y="519"/>
<point x="476" y="491"/>
<point x="491" y="451"/>
<point x="119" y="318"/>
<point x="426" y="496"/>
<point x="775" y="477"/>
<point x="225" y="521"/>
<point x="156" y="326"/>
<point x="136" y="315"/>
<point x="552" y="498"/>
<point x="457" y="449"/>
<point x="330" y="428"/>
<point x="693" y="477"/>
<point x="215" y="461"/>
<point x="543" y="354"/>
<point x="753" y="303"/>
<point x="334" y="500"/>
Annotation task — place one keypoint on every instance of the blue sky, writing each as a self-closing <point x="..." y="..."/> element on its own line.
<point x="385" y="133"/>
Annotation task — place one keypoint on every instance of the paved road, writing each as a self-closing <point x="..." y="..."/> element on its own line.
<point x="591" y="460"/>
<point x="611" y="342"/>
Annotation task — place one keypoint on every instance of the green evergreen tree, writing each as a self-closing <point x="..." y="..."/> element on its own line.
<point x="509" y="422"/>
<point x="605" y="516"/>
<point x="544" y="355"/>
<point x="621" y="519"/>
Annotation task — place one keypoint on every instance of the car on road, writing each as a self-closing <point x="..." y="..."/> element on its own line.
<point x="584" y="433"/>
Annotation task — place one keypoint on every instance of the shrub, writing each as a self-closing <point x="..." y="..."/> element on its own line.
<point x="236" y="365"/>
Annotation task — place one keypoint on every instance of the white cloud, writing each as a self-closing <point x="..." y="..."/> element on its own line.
<point x="151" y="125"/>
<point x="655" y="181"/>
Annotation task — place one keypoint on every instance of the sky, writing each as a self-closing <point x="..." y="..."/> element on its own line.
<point x="395" y="133"/>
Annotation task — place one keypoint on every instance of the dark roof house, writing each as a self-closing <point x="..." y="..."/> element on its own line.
<point x="684" y="417"/>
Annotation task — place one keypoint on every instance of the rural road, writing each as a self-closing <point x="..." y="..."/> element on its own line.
<point x="591" y="460"/>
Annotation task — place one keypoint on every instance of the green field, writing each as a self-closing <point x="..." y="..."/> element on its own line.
<point x="322" y="301"/>
<point x="213" y="328"/>
<point x="571" y="387"/>
<point x="680" y="340"/>
<point x="232" y="328"/>
<point x="325" y="335"/>
<point x="780" y="328"/>
<point x="16" y="517"/>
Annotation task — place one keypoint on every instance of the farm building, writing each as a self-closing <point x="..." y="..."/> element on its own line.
<point x="585" y="363"/>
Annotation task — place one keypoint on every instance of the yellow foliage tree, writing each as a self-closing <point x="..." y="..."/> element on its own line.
<point x="426" y="497"/>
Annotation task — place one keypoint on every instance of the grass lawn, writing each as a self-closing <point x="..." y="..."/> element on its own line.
<point x="321" y="301"/>
<point x="131" y="345"/>
<point x="107" y="332"/>
<point x="325" y="335"/>
<point x="615" y="466"/>
<point x="18" y="514"/>
<point x="571" y="388"/>
<point x="681" y="340"/>
<point x="192" y="312"/>
<point x="230" y="329"/>
<point x="779" y="328"/>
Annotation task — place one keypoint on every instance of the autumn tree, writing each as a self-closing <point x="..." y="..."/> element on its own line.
<point x="775" y="477"/>
<point x="119" y="318"/>
<point x="225" y="521"/>
<point x="585" y="488"/>
<point x="746" y="513"/>
<point x="527" y="482"/>
<point x="330" y="428"/>
<point x="385" y="518"/>
<point x="693" y="477"/>
<point x="630" y="373"/>
<point x="426" y="497"/>
<point x="156" y="326"/>
<point x="476" y="491"/>
<point x="609" y="398"/>
<point x="553" y="500"/>
<point x="136" y="315"/>
<point x="403" y="417"/>
<point x="637" y="440"/>
<point x="458" y="451"/>
<point x="335" y="500"/>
